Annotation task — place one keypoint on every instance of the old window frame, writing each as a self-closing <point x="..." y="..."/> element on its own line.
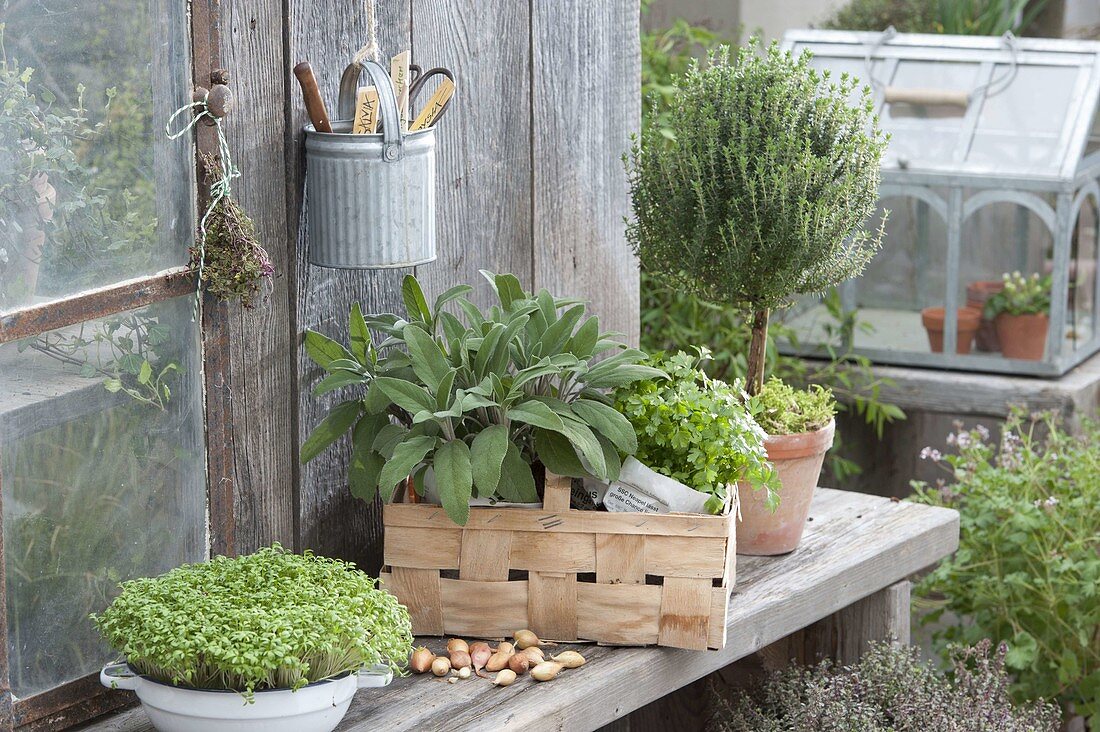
<point x="84" y="698"/>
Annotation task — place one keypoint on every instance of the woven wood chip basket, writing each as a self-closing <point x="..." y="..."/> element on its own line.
<point x="568" y="575"/>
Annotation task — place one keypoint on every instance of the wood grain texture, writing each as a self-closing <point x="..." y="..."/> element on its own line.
<point x="331" y="520"/>
<point x="537" y="520"/>
<point x="485" y="555"/>
<point x="842" y="559"/>
<point x="620" y="558"/>
<point x="263" y="417"/>
<point x="618" y="614"/>
<point x="844" y="635"/>
<point x="483" y="184"/>
<point x="553" y="552"/>
<point x="585" y="105"/>
<point x="421" y="591"/>
<point x="685" y="613"/>
<point x="484" y="609"/>
<point x="683" y="556"/>
<point x="552" y="605"/>
<point x="424" y="548"/>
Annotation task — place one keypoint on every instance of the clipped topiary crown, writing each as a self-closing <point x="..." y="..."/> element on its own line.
<point x="269" y="620"/>
<point x="763" y="193"/>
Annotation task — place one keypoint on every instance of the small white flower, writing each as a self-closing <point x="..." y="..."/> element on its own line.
<point x="929" y="453"/>
<point x="1051" y="502"/>
<point x="983" y="432"/>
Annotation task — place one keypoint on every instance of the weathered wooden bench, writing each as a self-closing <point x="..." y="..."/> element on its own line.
<point x="845" y="585"/>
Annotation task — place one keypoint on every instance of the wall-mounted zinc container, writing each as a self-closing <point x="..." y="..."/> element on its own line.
<point x="370" y="199"/>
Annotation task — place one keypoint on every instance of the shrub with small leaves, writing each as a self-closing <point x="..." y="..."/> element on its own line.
<point x="763" y="193"/>
<point x="1027" y="571"/>
<point x="269" y="620"/>
<point x="783" y="410"/>
<point x="889" y="690"/>
<point x="697" y="430"/>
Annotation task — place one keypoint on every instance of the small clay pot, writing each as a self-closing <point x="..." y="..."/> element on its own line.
<point x="977" y="293"/>
<point x="1022" y="336"/>
<point x="969" y="320"/>
<point x="797" y="460"/>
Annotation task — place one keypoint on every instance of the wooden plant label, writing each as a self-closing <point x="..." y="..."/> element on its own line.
<point x="430" y="113"/>
<point x="399" y="74"/>
<point x="366" y="111"/>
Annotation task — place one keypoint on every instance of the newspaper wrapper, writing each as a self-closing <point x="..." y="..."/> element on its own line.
<point x="640" y="489"/>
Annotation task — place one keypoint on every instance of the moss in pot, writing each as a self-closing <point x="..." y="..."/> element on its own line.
<point x="272" y="641"/>
<point x="800" y="426"/>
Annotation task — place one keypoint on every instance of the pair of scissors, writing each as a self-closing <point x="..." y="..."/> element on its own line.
<point x="441" y="99"/>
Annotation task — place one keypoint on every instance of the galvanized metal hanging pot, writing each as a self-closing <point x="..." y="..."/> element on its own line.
<point x="370" y="198"/>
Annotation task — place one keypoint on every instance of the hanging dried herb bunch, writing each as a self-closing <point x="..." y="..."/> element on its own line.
<point x="231" y="261"/>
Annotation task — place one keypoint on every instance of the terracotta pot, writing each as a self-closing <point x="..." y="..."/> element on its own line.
<point x="969" y="320"/>
<point x="977" y="293"/>
<point x="797" y="459"/>
<point x="1022" y="336"/>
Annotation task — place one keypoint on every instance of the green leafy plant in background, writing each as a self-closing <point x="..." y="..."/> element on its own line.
<point x="478" y="402"/>
<point x="888" y="690"/>
<point x="666" y="53"/>
<point x="268" y="620"/>
<point x="134" y="353"/>
<point x="1027" y="571"/>
<point x="697" y="430"/>
<point x="955" y="17"/>
<point x="1020" y="296"/>
<point x="783" y="410"/>
<point x="764" y="191"/>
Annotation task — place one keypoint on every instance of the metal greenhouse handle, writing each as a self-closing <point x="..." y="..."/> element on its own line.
<point x="392" y="135"/>
<point x="929" y="97"/>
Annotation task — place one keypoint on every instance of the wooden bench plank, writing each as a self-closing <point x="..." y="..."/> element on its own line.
<point x="855" y="546"/>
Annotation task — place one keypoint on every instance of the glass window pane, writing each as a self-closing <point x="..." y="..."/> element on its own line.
<point x="103" y="473"/>
<point x="1019" y="129"/>
<point x="91" y="190"/>
<point x="926" y="135"/>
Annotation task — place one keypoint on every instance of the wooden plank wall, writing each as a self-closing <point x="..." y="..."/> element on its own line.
<point x="529" y="181"/>
<point x="263" y="375"/>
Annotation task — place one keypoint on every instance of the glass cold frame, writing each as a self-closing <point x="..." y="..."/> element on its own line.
<point x="103" y="473"/>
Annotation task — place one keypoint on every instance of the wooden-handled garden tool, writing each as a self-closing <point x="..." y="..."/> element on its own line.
<point x="315" y="106"/>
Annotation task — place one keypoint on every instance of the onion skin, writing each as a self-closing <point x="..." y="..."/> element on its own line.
<point x="506" y="677"/>
<point x="457" y="644"/>
<point x="546" y="670"/>
<point x="506" y="647"/>
<point x="534" y="655"/>
<point x="519" y="663"/>
<point x="569" y="659"/>
<point x="421" y="660"/>
<point x="479" y="657"/>
<point x="441" y="666"/>
<point x="460" y="659"/>
<point x="497" y="662"/>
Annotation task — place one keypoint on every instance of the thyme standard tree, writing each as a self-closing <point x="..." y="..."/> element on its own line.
<point x="763" y="193"/>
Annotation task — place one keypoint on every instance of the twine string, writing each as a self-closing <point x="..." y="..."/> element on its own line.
<point x="219" y="189"/>
<point x="371" y="51"/>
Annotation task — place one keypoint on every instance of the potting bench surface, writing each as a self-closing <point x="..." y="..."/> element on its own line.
<point x="855" y="545"/>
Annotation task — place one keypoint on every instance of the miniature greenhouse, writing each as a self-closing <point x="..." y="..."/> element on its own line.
<point x="991" y="170"/>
